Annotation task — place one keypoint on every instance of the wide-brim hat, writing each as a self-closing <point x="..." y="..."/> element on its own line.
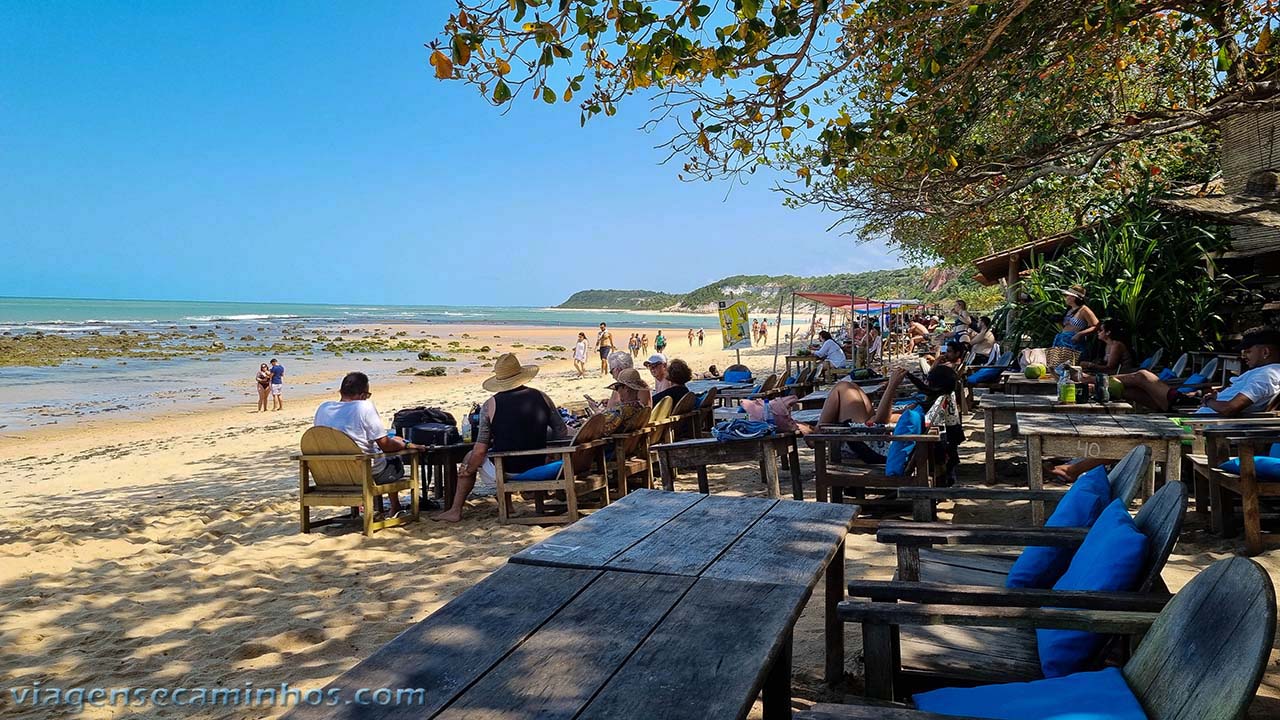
<point x="1076" y="291"/>
<point x="630" y="378"/>
<point x="509" y="374"/>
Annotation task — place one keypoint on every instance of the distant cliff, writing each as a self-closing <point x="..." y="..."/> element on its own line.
<point x="764" y="291"/>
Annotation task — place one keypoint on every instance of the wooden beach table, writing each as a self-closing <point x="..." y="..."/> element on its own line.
<point x="756" y="540"/>
<point x="1019" y="384"/>
<point x="1003" y="410"/>
<point x="1103" y="435"/>
<point x="702" y="452"/>
<point x="440" y="463"/>
<point x="667" y="605"/>
<point x="801" y="362"/>
<point x="701" y="386"/>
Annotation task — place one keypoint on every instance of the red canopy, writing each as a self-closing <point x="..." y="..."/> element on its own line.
<point x="836" y="301"/>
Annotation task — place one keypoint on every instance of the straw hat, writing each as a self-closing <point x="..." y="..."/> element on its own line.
<point x="509" y="374"/>
<point x="630" y="378"/>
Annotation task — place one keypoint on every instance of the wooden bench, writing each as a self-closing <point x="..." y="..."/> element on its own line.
<point x="1225" y="487"/>
<point x="700" y="453"/>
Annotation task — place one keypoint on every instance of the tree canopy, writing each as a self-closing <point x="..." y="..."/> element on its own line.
<point x="953" y="128"/>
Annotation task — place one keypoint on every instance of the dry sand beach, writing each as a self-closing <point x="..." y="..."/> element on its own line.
<point x="164" y="550"/>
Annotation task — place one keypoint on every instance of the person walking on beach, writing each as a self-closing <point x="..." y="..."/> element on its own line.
<point x="764" y="331"/>
<point x="659" y="342"/>
<point x="264" y="386"/>
<point x="755" y="329"/>
<point x="644" y="343"/>
<point x="580" y="355"/>
<point x="277" y="384"/>
<point x="690" y="337"/>
<point x="634" y="345"/>
<point x="604" y="346"/>
<point x="700" y="338"/>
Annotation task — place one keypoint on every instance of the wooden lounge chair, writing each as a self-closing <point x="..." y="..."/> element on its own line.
<point x="1201" y="657"/>
<point x="584" y="471"/>
<point x="333" y="471"/>
<point x="685" y="418"/>
<point x="1225" y="487"/>
<point x="951" y="654"/>
<point x="631" y="451"/>
<point x="1125" y="478"/>
<point x="868" y="483"/>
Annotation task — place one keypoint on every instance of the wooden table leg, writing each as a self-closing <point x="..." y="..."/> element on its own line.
<point x="989" y="436"/>
<point x="1173" y="465"/>
<point x="769" y="470"/>
<point x="668" y="472"/>
<point x="1035" y="475"/>
<point x="793" y="461"/>
<point x="835" y="627"/>
<point x="820" y="470"/>
<point x="777" y="685"/>
<point x="704" y="486"/>
<point x="877" y="651"/>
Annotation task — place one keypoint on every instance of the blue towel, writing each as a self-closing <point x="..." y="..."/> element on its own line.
<point x="741" y="430"/>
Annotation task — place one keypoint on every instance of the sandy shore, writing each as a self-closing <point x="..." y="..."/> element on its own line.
<point x="164" y="551"/>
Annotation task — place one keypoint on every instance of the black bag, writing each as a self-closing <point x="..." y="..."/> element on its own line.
<point x="433" y="434"/>
<point x="410" y="417"/>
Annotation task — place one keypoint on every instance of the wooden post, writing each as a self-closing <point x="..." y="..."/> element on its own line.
<point x="835" y="627"/>
<point x="777" y="337"/>
<point x="791" y="336"/>
<point x="1011" y="296"/>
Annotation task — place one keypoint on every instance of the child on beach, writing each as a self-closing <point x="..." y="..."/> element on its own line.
<point x="580" y="356"/>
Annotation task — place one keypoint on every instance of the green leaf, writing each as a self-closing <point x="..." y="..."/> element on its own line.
<point x="548" y="95"/>
<point x="750" y="9"/>
<point x="501" y="93"/>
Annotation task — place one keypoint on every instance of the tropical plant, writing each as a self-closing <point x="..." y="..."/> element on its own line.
<point x="1151" y="269"/>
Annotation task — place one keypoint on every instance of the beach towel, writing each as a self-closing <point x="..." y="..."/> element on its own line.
<point x="741" y="430"/>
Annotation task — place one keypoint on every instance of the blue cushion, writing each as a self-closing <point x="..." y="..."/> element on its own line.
<point x="1102" y="695"/>
<point x="986" y="375"/>
<point x="698" y="398"/>
<point x="1146" y="364"/>
<point x="793" y="380"/>
<point x="1109" y="560"/>
<point x="737" y="376"/>
<point x="1040" y="567"/>
<point x="550" y="471"/>
<point x="911" y="422"/>
<point x="1195" y="379"/>
<point x="1268" y="468"/>
<point x="1167" y="374"/>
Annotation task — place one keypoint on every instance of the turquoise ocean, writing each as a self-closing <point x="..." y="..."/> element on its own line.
<point x="93" y="388"/>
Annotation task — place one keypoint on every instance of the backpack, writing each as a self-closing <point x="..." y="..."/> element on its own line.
<point x="409" y="417"/>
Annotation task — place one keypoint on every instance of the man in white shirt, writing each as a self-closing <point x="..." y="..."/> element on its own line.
<point x="1252" y="391"/>
<point x="830" y="352"/>
<point x="355" y="415"/>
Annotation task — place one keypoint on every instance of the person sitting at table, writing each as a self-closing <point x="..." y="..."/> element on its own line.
<point x="1252" y="391"/>
<point x="830" y="352"/>
<point x="633" y="394"/>
<point x="678" y="373"/>
<point x="657" y="364"/>
<point x="618" y="361"/>
<point x="354" y="414"/>
<point x="1115" y="336"/>
<point x="982" y="340"/>
<point x="515" y="418"/>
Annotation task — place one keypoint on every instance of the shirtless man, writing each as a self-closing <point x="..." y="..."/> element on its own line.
<point x="604" y="346"/>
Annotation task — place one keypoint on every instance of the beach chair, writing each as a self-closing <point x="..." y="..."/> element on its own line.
<point x="1152" y="361"/>
<point x="705" y="410"/>
<point x="929" y="656"/>
<point x="1201" y="657"/>
<point x="1125" y="477"/>
<point x="685" y="419"/>
<point x="869" y="484"/>
<point x="631" y="450"/>
<point x="579" y="468"/>
<point x="334" y="472"/>
<point x="1243" y="485"/>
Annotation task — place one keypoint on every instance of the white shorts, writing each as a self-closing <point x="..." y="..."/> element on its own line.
<point x="276" y="388"/>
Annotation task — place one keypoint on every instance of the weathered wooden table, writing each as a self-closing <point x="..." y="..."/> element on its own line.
<point x="701" y="386"/>
<point x="440" y="465"/>
<point x="1003" y="409"/>
<point x="630" y="613"/>
<point x="702" y="452"/>
<point x="1104" y="435"/>
<point x="757" y="540"/>
<point x="1015" y="383"/>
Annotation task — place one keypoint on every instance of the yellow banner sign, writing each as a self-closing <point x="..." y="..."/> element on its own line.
<point x="735" y="328"/>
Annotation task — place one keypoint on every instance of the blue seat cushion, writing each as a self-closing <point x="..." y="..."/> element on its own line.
<point x="698" y="398"/>
<point x="1146" y="364"/>
<point x="1040" y="567"/>
<point x="793" y="380"/>
<point x="1110" y="559"/>
<point x="1166" y="375"/>
<point x="1268" y="468"/>
<point x="986" y="375"/>
<point x="737" y="376"/>
<point x="1192" y="381"/>
<point x="550" y="471"/>
<point x="911" y="422"/>
<point x="1101" y="695"/>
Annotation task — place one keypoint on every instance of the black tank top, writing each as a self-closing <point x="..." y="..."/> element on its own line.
<point x="520" y="421"/>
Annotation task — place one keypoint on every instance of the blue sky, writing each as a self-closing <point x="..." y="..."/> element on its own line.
<point x="304" y="152"/>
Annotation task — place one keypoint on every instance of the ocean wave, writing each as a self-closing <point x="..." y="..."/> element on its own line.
<point x="234" y="318"/>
